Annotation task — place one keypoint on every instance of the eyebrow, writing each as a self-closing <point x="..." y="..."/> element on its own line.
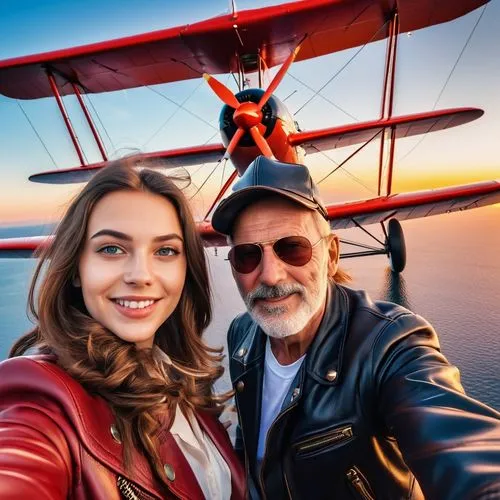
<point x="126" y="237"/>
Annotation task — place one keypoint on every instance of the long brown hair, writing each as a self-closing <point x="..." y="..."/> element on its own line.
<point x="140" y="390"/>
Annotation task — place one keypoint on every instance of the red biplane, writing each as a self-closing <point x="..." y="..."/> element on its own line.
<point x="254" y="121"/>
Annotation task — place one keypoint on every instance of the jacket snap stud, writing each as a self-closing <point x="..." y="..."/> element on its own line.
<point x="169" y="472"/>
<point x="295" y="393"/>
<point x="331" y="375"/>
<point x="240" y="386"/>
<point x="115" y="433"/>
<point x="241" y="352"/>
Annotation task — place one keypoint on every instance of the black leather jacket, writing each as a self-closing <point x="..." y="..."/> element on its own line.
<point x="375" y="411"/>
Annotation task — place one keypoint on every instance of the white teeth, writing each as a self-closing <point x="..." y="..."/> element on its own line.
<point x="133" y="304"/>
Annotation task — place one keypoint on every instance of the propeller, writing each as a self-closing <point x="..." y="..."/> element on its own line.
<point x="248" y="115"/>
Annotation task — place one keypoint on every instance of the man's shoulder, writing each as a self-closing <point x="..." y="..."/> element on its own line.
<point x="380" y="315"/>
<point x="359" y="301"/>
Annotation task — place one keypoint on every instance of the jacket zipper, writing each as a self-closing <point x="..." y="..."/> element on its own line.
<point x="247" y="465"/>
<point x="131" y="492"/>
<point x="326" y="438"/>
<point x="359" y="483"/>
<point x="261" y="479"/>
<point x="287" y="486"/>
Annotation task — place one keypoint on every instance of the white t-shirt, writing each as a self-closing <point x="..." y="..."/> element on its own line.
<point x="277" y="380"/>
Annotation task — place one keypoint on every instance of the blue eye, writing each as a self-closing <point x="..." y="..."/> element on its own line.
<point x="167" y="252"/>
<point x="111" y="250"/>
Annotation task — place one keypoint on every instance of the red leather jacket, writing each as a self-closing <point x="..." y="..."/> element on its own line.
<point x="57" y="442"/>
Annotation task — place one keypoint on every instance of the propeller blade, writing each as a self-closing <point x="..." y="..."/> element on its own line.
<point x="278" y="77"/>
<point x="234" y="142"/>
<point x="222" y="92"/>
<point x="261" y="142"/>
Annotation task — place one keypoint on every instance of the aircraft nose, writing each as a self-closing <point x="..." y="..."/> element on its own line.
<point x="247" y="115"/>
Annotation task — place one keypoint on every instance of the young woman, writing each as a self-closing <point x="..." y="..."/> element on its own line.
<point x="118" y="401"/>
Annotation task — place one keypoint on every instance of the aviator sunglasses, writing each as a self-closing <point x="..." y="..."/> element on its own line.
<point x="293" y="250"/>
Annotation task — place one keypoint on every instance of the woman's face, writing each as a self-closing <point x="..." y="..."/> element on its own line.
<point x="133" y="266"/>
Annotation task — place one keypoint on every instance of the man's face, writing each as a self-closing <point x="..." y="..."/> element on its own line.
<point x="283" y="299"/>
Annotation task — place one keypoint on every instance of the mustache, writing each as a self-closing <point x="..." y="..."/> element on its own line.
<point x="272" y="292"/>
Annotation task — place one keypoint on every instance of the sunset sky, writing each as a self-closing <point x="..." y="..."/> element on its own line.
<point x="133" y="119"/>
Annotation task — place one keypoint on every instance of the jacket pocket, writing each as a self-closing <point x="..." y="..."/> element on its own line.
<point x="359" y="484"/>
<point x="324" y="440"/>
<point x="130" y="491"/>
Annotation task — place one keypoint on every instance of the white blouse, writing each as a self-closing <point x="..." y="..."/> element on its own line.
<point x="211" y="470"/>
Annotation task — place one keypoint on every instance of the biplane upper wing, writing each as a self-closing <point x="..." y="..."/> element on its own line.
<point x="222" y="44"/>
<point x="404" y="126"/>
<point x="341" y="215"/>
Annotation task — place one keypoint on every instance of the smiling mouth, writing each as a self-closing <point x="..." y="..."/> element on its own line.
<point x="273" y="299"/>
<point x="135" y="304"/>
<point x="135" y="309"/>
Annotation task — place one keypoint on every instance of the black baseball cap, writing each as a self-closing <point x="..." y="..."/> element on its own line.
<point x="265" y="177"/>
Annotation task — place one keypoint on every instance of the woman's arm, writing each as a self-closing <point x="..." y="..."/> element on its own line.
<point x="35" y="461"/>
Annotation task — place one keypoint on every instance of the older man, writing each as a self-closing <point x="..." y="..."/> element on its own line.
<point x="338" y="396"/>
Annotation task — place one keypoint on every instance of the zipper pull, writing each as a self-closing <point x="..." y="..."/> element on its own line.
<point x="359" y="485"/>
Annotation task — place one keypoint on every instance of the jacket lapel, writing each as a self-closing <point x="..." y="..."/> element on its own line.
<point x="216" y="432"/>
<point x="184" y="485"/>
<point x="249" y="357"/>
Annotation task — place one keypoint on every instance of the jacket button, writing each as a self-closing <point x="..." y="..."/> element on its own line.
<point x="331" y="375"/>
<point x="169" y="472"/>
<point x="240" y="386"/>
<point x="241" y="352"/>
<point x="115" y="433"/>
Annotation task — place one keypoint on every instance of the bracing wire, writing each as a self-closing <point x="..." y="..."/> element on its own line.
<point x="341" y="164"/>
<point x="176" y="110"/>
<point x="208" y="177"/>
<point x="36" y="133"/>
<point x="100" y="121"/>
<point x="323" y="97"/>
<point x="317" y="92"/>
<point x="86" y="97"/>
<point x="149" y="87"/>
<point x="467" y="42"/>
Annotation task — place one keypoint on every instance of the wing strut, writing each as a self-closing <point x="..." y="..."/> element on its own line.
<point x="388" y="101"/>
<point x="96" y="135"/>
<point x="62" y="109"/>
<point x="224" y="188"/>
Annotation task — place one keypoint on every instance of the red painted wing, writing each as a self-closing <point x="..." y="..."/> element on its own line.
<point x="27" y="246"/>
<point x="342" y="215"/>
<point x="405" y="126"/>
<point x="209" y="46"/>
<point x="173" y="158"/>
<point x="414" y="205"/>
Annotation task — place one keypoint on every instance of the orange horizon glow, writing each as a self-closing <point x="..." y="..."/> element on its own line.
<point x="49" y="202"/>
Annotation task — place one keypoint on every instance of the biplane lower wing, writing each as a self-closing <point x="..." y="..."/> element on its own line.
<point x="341" y="215"/>
<point x="404" y="126"/>
<point x="173" y="158"/>
<point x="414" y="205"/>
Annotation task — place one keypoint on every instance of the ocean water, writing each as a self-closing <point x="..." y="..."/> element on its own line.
<point x="452" y="278"/>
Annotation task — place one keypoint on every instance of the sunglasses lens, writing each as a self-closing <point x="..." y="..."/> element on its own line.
<point x="245" y="258"/>
<point x="294" y="250"/>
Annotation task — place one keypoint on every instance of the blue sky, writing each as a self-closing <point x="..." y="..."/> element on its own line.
<point x="134" y="118"/>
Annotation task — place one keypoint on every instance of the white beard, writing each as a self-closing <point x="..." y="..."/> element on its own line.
<point x="277" y="321"/>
